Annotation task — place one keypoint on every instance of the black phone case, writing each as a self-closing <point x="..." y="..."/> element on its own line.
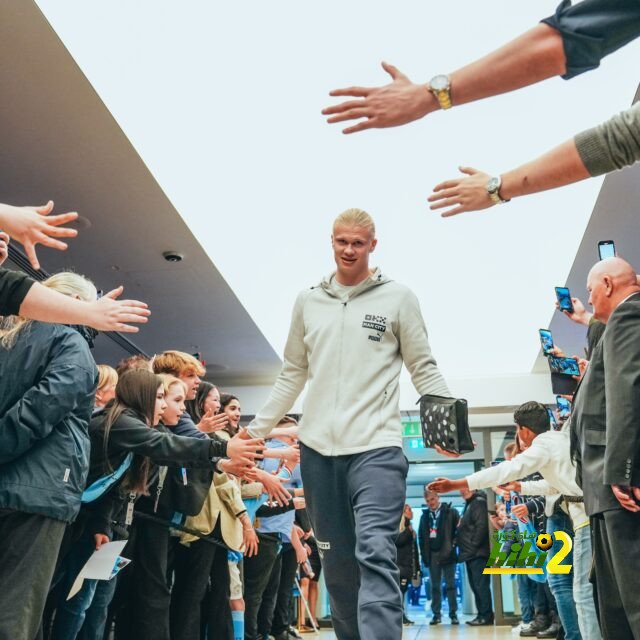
<point x="562" y="384"/>
<point x="445" y="422"/>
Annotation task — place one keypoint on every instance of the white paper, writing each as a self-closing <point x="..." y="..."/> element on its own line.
<point x="104" y="564"/>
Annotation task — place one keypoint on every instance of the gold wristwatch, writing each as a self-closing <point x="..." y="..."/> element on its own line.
<point x="440" y="86"/>
<point x="493" y="190"/>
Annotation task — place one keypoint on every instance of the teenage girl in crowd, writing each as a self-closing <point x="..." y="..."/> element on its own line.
<point x="124" y="443"/>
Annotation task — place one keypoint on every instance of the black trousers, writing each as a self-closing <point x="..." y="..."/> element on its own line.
<point x="435" y="573"/>
<point x="192" y="571"/>
<point x="481" y="586"/>
<point x="145" y="614"/>
<point x="29" y="547"/>
<point x="616" y="551"/>
<point x="257" y="573"/>
<point x="217" y="623"/>
<point x="275" y="612"/>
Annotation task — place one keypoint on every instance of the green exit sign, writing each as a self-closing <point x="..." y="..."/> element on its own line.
<point x="411" y="429"/>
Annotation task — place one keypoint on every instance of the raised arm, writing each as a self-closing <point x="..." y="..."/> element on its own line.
<point x="534" y="56"/>
<point x="613" y="145"/>
<point x="568" y="43"/>
<point x="291" y="380"/>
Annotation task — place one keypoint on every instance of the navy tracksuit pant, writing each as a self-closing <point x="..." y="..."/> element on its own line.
<point x="355" y="503"/>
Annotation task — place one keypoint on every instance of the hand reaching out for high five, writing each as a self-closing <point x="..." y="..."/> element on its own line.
<point x="33" y="225"/>
<point x="212" y="422"/>
<point x="462" y="194"/>
<point x="399" y="102"/>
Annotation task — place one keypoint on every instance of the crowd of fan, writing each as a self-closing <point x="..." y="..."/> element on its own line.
<point x="215" y="521"/>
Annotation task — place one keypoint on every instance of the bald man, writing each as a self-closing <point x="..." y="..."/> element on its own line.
<point x="606" y="433"/>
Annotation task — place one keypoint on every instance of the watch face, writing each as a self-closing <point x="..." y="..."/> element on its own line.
<point x="493" y="185"/>
<point x="439" y="83"/>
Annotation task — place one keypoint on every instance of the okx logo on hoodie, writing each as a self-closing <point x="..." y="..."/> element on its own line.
<point x="377" y="324"/>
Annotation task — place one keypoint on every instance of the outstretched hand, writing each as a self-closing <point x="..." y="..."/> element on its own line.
<point x="33" y="225"/>
<point x="110" y="314"/>
<point x="441" y="485"/>
<point x="212" y="422"/>
<point x="462" y="194"/>
<point x="394" y="104"/>
<point x="244" y="452"/>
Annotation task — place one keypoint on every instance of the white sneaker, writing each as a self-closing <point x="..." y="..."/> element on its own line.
<point x="517" y="629"/>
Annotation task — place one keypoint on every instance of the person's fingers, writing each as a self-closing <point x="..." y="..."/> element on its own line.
<point x="393" y="71"/>
<point x="134" y="306"/>
<point x="443" y="193"/>
<point x="45" y="240"/>
<point x="447" y="184"/>
<point x="45" y="209"/>
<point x="355" y="92"/>
<point x="132" y="317"/>
<point x="30" y="250"/>
<point x="114" y="293"/>
<point x="4" y="236"/>
<point x="447" y="202"/>
<point x="636" y="492"/>
<point x="625" y="499"/>
<point x="361" y="126"/>
<point x="352" y="114"/>
<point x="62" y="218"/>
<point x="125" y="328"/>
<point x="454" y="212"/>
<point x="132" y="314"/>
<point x="58" y="232"/>
<point x="344" y="106"/>
<point x="468" y="170"/>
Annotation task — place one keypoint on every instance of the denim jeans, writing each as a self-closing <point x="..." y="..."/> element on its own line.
<point x="582" y="588"/>
<point x="70" y="613"/>
<point x="96" y="615"/>
<point x="562" y="584"/>
<point x="527" y="589"/>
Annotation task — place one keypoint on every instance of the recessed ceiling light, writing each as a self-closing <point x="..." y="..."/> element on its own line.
<point x="173" y="256"/>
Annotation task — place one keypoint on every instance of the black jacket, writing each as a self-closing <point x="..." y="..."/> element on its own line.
<point x="47" y="389"/>
<point x="176" y="496"/>
<point x="448" y="520"/>
<point x="606" y="412"/>
<point x="14" y="287"/>
<point x="407" y="549"/>
<point x="130" y="434"/>
<point x="473" y="531"/>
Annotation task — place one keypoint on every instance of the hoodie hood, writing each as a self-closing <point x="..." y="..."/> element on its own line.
<point x="375" y="279"/>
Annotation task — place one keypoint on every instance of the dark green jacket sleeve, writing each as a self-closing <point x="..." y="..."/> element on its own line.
<point x="14" y="287"/>
<point x="615" y="144"/>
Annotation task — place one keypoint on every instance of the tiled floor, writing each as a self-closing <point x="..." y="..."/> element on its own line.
<point x="422" y="631"/>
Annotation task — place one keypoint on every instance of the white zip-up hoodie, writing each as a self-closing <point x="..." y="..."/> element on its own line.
<point x="350" y="346"/>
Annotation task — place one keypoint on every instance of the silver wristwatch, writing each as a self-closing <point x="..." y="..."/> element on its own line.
<point x="493" y="190"/>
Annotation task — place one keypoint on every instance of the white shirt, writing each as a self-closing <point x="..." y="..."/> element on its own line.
<point x="549" y="454"/>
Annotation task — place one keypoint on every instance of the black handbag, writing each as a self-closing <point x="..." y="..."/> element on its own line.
<point x="445" y="422"/>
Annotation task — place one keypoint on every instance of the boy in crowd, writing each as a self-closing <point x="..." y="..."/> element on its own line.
<point x="549" y="453"/>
